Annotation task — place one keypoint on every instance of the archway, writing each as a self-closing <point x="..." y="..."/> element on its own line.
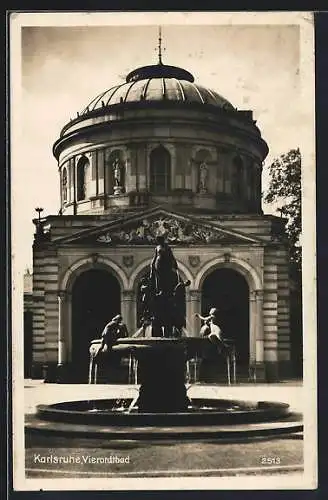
<point x="228" y="291"/>
<point x="96" y="298"/>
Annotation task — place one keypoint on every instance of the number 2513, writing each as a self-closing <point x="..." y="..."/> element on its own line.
<point x="270" y="460"/>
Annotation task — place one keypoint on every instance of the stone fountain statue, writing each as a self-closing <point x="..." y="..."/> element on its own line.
<point x="161" y="358"/>
<point x="163" y="293"/>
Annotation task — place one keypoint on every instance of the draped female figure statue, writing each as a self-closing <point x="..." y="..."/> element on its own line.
<point x="163" y="269"/>
<point x="203" y="177"/>
<point x="164" y="278"/>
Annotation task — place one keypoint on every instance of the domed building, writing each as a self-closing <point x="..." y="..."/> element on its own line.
<point x="160" y="154"/>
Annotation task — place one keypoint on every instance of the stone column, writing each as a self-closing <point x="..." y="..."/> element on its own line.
<point x="127" y="174"/>
<point x="129" y="310"/>
<point x="193" y="306"/>
<point x="62" y="351"/>
<point x="130" y="178"/>
<point x="73" y="166"/>
<point x="143" y="172"/>
<point x="194" y="175"/>
<point x="174" y="167"/>
<point x="259" y="187"/>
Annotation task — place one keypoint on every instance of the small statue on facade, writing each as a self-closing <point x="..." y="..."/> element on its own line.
<point x="117" y="170"/>
<point x="203" y="175"/>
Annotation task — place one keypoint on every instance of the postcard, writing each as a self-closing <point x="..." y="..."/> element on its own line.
<point x="163" y="230"/>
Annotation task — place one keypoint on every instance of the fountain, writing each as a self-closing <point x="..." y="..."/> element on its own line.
<point x="161" y="407"/>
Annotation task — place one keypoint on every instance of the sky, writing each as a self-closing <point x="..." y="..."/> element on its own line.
<point x="254" y="66"/>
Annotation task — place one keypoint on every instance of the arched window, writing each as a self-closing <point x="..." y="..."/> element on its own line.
<point x="160" y="170"/>
<point x="81" y="178"/>
<point x="64" y="184"/>
<point x="237" y="176"/>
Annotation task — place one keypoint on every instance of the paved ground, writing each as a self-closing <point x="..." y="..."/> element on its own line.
<point x="62" y="457"/>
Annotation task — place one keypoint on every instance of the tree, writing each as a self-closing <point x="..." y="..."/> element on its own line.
<point x="285" y="190"/>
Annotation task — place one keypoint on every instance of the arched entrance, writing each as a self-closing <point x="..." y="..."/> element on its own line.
<point x="96" y="298"/>
<point x="228" y="291"/>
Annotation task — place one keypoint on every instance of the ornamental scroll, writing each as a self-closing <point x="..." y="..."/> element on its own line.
<point x="175" y="232"/>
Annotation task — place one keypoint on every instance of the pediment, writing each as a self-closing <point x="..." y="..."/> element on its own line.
<point x="142" y="229"/>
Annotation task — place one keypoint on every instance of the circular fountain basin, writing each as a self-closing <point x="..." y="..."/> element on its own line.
<point x="207" y="411"/>
<point x="208" y="418"/>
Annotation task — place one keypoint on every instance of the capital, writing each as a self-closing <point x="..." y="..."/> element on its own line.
<point x="128" y="295"/>
<point x="62" y="295"/>
<point x="256" y="295"/>
<point x="193" y="294"/>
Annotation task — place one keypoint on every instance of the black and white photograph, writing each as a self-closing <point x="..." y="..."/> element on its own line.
<point x="163" y="231"/>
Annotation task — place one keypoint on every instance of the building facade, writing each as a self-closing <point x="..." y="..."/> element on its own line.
<point x="160" y="154"/>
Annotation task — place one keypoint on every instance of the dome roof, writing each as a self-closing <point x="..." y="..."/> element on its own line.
<point x="158" y="82"/>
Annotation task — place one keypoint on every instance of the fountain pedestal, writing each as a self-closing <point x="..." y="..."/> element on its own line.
<point x="161" y="373"/>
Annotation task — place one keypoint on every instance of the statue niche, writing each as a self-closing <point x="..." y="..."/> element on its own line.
<point x="118" y="175"/>
<point x="202" y="159"/>
<point x="203" y="178"/>
<point x="115" y="169"/>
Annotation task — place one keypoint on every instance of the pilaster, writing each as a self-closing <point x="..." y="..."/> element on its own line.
<point x="129" y="310"/>
<point x="62" y="344"/>
<point x="193" y="306"/>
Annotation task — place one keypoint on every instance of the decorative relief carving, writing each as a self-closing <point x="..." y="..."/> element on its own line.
<point x="175" y="231"/>
<point x="227" y="257"/>
<point x="94" y="258"/>
<point x="128" y="260"/>
<point x="194" y="260"/>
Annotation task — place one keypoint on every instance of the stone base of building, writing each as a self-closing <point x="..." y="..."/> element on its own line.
<point x="276" y="371"/>
<point x="259" y="373"/>
<point x="271" y="371"/>
<point x="286" y="371"/>
<point x="38" y="371"/>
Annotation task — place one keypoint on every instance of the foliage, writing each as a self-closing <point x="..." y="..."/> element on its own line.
<point x="285" y="190"/>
